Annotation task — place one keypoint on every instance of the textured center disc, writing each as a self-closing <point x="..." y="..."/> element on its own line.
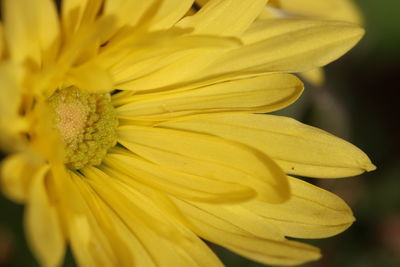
<point x="87" y="124"/>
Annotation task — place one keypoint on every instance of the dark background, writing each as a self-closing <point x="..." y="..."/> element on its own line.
<point x="359" y="102"/>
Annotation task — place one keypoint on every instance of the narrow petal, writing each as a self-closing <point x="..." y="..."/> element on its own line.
<point x="207" y="156"/>
<point x="166" y="241"/>
<point x="228" y="18"/>
<point x="11" y="122"/>
<point x="211" y="227"/>
<point x="132" y="11"/>
<point x="284" y="45"/>
<point x="238" y="217"/>
<point x="98" y="237"/>
<point x="187" y="186"/>
<point x="299" y="149"/>
<point x="42" y="223"/>
<point x="311" y="212"/>
<point x="256" y="94"/>
<point x="76" y="50"/>
<point x="345" y="10"/>
<point x="91" y="78"/>
<point x="289" y="45"/>
<point x="16" y="171"/>
<point x="315" y="76"/>
<point x="170" y="12"/>
<point x="31" y="30"/>
<point x="140" y="57"/>
<point x="78" y="13"/>
<point x="2" y="41"/>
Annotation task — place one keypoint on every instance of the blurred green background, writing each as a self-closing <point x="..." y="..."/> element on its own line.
<point x="358" y="103"/>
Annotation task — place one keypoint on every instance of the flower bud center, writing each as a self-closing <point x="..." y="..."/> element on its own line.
<point x="86" y="123"/>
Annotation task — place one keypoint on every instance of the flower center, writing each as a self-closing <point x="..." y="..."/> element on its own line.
<point x="87" y="124"/>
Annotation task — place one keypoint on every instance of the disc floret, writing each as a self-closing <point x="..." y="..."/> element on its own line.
<point x="86" y="123"/>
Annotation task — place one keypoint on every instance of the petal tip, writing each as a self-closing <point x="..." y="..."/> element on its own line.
<point x="370" y="167"/>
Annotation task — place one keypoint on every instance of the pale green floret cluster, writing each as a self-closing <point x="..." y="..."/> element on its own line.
<point x="87" y="124"/>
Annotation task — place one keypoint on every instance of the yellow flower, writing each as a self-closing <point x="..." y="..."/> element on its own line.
<point x="133" y="131"/>
<point x="340" y="10"/>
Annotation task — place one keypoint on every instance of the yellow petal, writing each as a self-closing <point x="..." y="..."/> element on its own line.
<point x="227" y="18"/>
<point x="268" y="251"/>
<point x="31" y="30"/>
<point x="175" y="246"/>
<point x="11" y="122"/>
<point x="42" y="223"/>
<point x="78" y="13"/>
<point x="257" y="94"/>
<point x="297" y="148"/>
<point x="16" y="171"/>
<point x="132" y="11"/>
<point x="314" y="76"/>
<point x="289" y="45"/>
<point x="344" y="10"/>
<point x="311" y="212"/>
<point x="77" y="49"/>
<point x="98" y="237"/>
<point x="149" y="55"/>
<point x="170" y="12"/>
<point x="91" y="78"/>
<point x="2" y="41"/>
<point x="183" y="185"/>
<point x="238" y="217"/>
<point x="207" y="156"/>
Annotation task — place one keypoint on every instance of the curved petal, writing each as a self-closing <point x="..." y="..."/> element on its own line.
<point x="130" y="12"/>
<point x="16" y="171"/>
<point x="345" y="10"/>
<point x="31" y="30"/>
<point x="184" y="185"/>
<point x="11" y="121"/>
<point x="311" y="212"/>
<point x="78" y="13"/>
<point x="42" y="223"/>
<point x="207" y="156"/>
<point x="160" y="238"/>
<point x="299" y="149"/>
<point x="98" y="238"/>
<point x="228" y="18"/>
<point x="276" y="45"/>
<point x="213" y="227"/>
<point x="255" y="94"/>
<point x="2" y="41"/>
<point x="315" y="76"/>
<point x="289" y="45"/>
<point x="91" y="78"/>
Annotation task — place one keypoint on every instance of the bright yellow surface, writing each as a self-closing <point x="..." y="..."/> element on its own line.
<point x="193" y="159"/>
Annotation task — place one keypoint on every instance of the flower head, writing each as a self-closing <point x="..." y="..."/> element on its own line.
<point x="134" y="129"/>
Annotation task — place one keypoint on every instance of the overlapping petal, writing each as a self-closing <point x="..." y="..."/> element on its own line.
<point x="289" y="45"/>
<point x="311" y="212"/>
<point x="215" y="228"/>
<point x="181" y="184"/>
<point x="207" y="156"/>
<point x="212" y="18"/>
<point x="15" y="175"/>
<point x="134" y="230"/>
<point x="191" y="162"/>
<point x="286" y="45"/>
<point x="255" y="94"/>
<point x="31" y="30"/>
<point x="344" y="10"/>
<point x="42" y="221"/>
<point x="297" y="148"/>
